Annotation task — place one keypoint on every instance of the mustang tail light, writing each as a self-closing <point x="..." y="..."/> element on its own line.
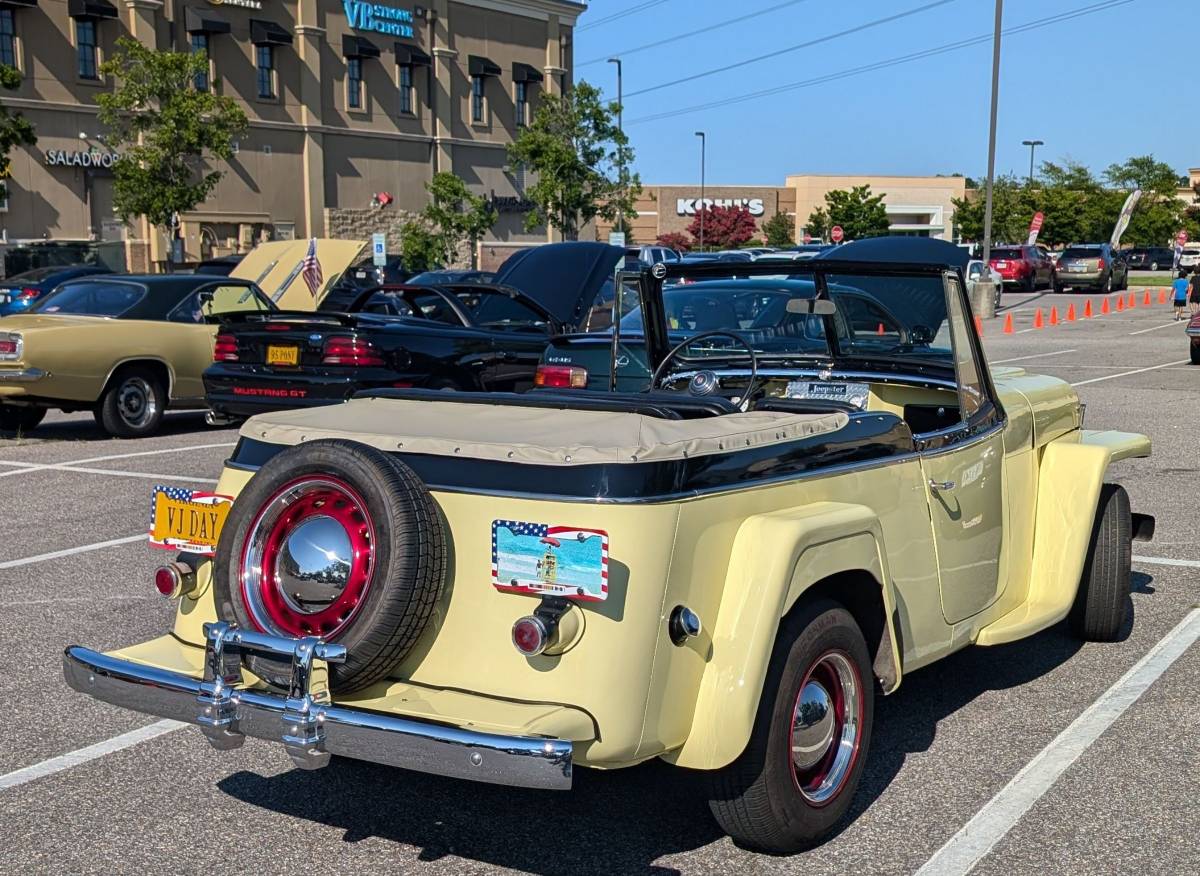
<point x="350" y="351"/>
<point x="225" y="349"/>
<point x="10" y="346"/>
<point x="29" y="293"/>
<point x="561" y="377"/>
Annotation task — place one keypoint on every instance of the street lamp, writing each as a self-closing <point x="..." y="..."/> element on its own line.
<point x="621" y="129"/>
<point x="991" y="173"/>
<point x="1033" y="145"/>
<point x="703" y="206"/>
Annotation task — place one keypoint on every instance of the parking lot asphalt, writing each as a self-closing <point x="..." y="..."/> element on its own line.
<point x="947" y="744"/>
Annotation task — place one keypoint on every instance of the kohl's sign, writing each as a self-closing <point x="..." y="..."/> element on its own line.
<point x="379" y="19"/>
<point x="689" y="206"/>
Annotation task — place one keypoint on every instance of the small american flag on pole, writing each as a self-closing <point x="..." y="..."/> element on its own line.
<point x="310" y="269"/>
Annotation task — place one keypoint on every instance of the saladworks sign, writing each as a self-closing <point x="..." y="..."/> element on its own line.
<point x="689" y="206"/>
<point x="377" y="18"/>
<point x="80" y="158"/>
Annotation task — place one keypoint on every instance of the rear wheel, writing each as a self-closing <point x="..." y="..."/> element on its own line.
<point x="1103" y="601"/>
<point x="798" y="774"/>
<point x="133" y="403"/>
<point x="337" y="540"/>
<point x="20" y="419"/>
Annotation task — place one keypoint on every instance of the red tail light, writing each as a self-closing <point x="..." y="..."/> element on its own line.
<point x="29" y="293"/>
<point x="561" y="377"/>
<point x="350" y="351"/>
<point x="1100" y="264"/>
<point x="225" y="349"/>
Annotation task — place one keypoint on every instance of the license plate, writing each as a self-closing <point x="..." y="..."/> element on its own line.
<point x="187" y="520"/>
<point x="280" y="355"/>
<point x="550" y="560"/>
<point x="1077" y="269"/>
<point x="362" y="275"/>
<point x="1001" y="264"/>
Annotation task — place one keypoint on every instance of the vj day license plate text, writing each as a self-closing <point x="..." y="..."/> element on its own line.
<point x="187" y="520"/>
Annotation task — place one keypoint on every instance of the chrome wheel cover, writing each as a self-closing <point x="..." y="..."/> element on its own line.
<point x="826" y="727"/>
<point x="136" y="404"/>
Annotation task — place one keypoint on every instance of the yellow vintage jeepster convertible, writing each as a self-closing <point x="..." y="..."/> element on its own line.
<point x="824" y="488"/>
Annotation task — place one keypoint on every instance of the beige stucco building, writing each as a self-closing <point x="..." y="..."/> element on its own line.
<point x="353" y="106"/>
<point x="916" y="205"/>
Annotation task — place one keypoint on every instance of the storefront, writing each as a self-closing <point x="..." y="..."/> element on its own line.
<point x="353" y="106"/>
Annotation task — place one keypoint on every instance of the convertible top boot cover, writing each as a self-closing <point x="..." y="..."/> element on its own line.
<point x="536" y="436"/>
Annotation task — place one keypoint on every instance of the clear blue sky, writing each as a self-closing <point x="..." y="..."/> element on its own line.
<point x="1097" y="89"/>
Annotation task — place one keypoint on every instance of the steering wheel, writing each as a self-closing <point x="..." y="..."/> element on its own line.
<point x="656" y="377"/>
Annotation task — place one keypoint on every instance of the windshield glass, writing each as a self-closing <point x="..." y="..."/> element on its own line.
<point x="36" y="275"/>
<point x="1082" y="252"/>
<point x="92" y="298"/>
<point x="1006" y="254"/>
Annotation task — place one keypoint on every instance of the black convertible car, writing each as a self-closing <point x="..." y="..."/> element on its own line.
<point x="476" y="336"/>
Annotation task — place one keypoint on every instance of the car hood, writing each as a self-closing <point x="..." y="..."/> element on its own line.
<point x="562" y="277"/>
<point x="275" y="267"/>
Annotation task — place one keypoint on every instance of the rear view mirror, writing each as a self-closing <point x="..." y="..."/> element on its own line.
<point x="814" y="306"/>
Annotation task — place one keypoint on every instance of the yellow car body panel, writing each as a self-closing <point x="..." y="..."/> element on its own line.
<point x="275" y="267"/>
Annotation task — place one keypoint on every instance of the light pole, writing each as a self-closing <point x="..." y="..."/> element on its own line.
<point x="621" y="129"/>
<point x="991" y="173"/>
<point x="1033" y="145"/>
<point x="703" y="206"/>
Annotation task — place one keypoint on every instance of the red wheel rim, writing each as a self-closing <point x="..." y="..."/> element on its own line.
<point x="826" y="728"/>
<point x="307" y="522"/>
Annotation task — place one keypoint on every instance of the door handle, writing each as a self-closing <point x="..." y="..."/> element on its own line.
<point x="941" y="486"/>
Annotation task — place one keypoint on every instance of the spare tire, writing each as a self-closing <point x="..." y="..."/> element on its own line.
<point x="338" y="540"/>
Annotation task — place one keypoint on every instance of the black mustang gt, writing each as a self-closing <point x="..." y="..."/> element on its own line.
<point x="471" y="336"/>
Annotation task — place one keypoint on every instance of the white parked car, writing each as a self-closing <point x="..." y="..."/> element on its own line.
<point x="1190" y="259"/>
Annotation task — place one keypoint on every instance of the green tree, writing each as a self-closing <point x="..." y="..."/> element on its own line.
<point x="169" y="132"/>
<point x="860" y="213"/>
<point x="577" y="153"/>
<point x="459" y="216"/>
<point x="1145" y="173"/>
<point x="779" y="230"/>
<point x="422" y="247"/>
<point x="15" y="129"/>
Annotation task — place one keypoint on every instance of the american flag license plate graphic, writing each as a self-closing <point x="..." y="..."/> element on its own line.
<point x="550" y="560"/>
<point x="187" y="520"/>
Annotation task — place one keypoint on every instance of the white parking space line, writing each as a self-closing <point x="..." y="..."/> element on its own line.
<point x="1034" y="356"/>
<point x="1129" y="373"/>
<point x="28" y="467"/>
<point x="1155" y="328"/>
<point x="993" y="822"/>
<point x="1167" y="561"/>
<point x="164" y="478"/>
<point x="70" y="552"/>
<point x="83" y="755"/>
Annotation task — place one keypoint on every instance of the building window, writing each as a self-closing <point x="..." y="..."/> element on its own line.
<point x="406" y="89"/>
<point x="477" y="95"/>
<point x="85" y="48"/>
<point x="354" y="82"/>
<point x="265" y="58"/>
<point x="200" y="47"/>
<point x="522" y="104"/>
<point x="8" y="42"/>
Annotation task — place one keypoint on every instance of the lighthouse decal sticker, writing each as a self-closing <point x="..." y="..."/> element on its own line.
<point x="550" y="560"/>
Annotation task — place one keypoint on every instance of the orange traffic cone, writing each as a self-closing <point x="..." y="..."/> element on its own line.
<point x="978" y="326"/>
<point x="1008" y="329"/>
<point x="1146" y="298"/>
<point x="1132" y="300"/>
<point x="1053" y="316"/>
<point x="879" y="330"/>
<point x="1162" y="296"/>
<point x="1120" y="304"/>
<point x="1071" y="312"/>
<point x="1037" y="319"/>
<point x="1087" y="309"/>
<point x="1104" y="308"/>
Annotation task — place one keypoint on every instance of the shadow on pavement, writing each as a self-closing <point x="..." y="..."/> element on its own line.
<point x="86" y="429"/>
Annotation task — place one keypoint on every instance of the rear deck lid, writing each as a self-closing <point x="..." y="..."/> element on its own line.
<point x="276" y="267"/>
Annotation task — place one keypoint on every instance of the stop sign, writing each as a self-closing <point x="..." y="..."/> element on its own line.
<point x="1181" y="238"/>
<point x="836" y="234"/>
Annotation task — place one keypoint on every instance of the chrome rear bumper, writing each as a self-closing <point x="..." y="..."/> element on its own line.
<point x="309" y="725"/>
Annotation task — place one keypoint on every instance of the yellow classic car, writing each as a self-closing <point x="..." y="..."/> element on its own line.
<point x="723" y="571"/>
<point x="127" y="347"/>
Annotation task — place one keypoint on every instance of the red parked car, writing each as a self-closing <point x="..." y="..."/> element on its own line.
<point x="1026" y="267"/>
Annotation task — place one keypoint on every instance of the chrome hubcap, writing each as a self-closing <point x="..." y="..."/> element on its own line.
<point x="314" y="565"/>
<point x="135" y="402"/>
<point x="826" y="725"/>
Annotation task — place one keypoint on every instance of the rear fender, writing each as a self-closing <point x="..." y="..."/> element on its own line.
<point x="1071" y="472"/>
<point x="776" y="558"/>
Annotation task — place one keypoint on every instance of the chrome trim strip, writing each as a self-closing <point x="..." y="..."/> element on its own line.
<point x="228" y="714"/>
<point x="26" y="375"/>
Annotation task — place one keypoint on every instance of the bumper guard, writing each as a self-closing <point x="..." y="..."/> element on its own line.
<point x="310" y="726"/>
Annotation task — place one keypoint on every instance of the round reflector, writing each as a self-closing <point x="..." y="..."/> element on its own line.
<point x="530" y="636"/>
<point x="167" y="581"/>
